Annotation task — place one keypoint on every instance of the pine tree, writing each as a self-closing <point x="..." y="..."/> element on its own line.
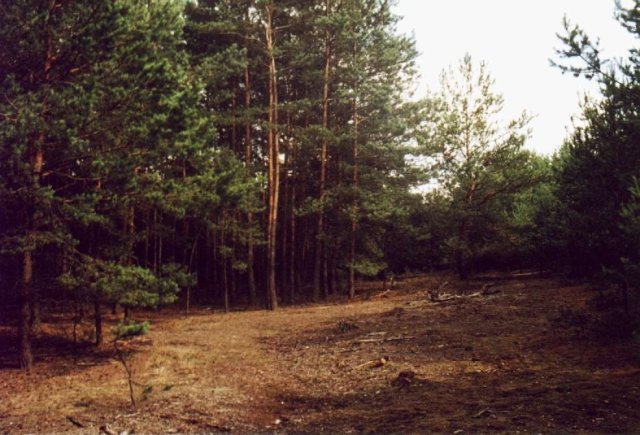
<point x="478" y="161"/>
<point x="598" y="165"/>
<point x="104" y="127"/>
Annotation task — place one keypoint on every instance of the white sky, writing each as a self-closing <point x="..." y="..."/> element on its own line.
<point x="516" y="38"/>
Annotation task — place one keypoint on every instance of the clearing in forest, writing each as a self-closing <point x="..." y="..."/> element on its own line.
<point x="393" y="361"/>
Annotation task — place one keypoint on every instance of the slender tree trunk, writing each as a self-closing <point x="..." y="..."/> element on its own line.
<point x="274" y="165"/>
<point x="253" y="297"/>
<point x="26" y="355"/>
<point x="156" y="244"/>
<point x="320" y="243"/>
<point x="190" y="270"/>
<point x="98" y="320"/>
<point x="97" y="307"/>
<point x="463" y="229"/>
<point x="224" y="261"/>
<point x="235" y="220"/>
<point x="293" y="240"/>
<point x="234" y="122"/>
<point x="129" y="232"/>
<point x="355" y="182"/>
<point x="36" y="163"/>
<point x="214" y="266"/>
<point x="325" y="271"/>
<point x="185" y="222"/>
<point x="225" y="283"/>
<point x="305" y="270"/>
<point x="36" y="310"/>
<point x="460" y="257"/>
<point x="147" y="232"/>
<point x="284" y="258"/>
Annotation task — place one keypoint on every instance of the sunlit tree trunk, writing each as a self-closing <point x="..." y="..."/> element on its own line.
<point x="273" y="143"/>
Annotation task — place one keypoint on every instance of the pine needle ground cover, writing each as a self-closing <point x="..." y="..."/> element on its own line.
<point x="390" y="361"/>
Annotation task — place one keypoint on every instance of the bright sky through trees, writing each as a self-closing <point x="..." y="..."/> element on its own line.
<point x="516" y="39"/>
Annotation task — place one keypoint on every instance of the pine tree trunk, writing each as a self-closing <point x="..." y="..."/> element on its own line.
<point x="463" y="229"/>
<point x="190" y="270"/>
<point x="320" y="255"/>
<point x="234" y="123"/>
<point x="98" y="321"/>
<point x="253" y="296"/>
<point x="292" y="242"/>
<point x="37" y="160"/>
<point x="234" y="275"/>
<point x="156" y="241"/>
<point x="36" y="310"/>
<point x="355" y="181"/>
<point x="26" y="355"/>
<point x="463" y="241"/>
<point x="274" y="166"/>
<point x="284" y="258"/>
<point x="225" y="283"/>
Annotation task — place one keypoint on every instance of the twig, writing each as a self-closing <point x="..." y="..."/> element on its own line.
<point x="105" y="429"/>
<point x="483" y="413"/>
<point x="74" y="421"/>
<point x="375" y="363"/>
<point x="382" y="340"/>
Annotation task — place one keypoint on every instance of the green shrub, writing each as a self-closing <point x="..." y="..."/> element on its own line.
<point x="131" y="329"/>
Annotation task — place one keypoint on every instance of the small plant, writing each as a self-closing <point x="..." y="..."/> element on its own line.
<point x="122" y="331"/>
<point x="129" y="329"/>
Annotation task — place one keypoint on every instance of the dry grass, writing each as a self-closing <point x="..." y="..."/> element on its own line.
<point x="473" y="364"/>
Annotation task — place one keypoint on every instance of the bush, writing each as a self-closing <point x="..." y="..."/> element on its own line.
<point x="131" y="329"/>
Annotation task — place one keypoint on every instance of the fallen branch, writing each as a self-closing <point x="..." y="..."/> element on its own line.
<point x="105" y="430"/>
<point x="485" y="291"/>
<point x="375" y="363"/>
<point x="382" y="340"/>
<point x="484" y="413"/>
<point x="75" y="422"/>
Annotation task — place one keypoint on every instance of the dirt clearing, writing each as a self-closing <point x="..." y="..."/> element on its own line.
<point x="388" y="362"/>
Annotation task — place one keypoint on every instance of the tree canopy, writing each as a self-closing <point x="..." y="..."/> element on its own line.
<point x="262" y="152"/>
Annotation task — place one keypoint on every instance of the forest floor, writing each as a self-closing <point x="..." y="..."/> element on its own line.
<point x="388" y="362"/>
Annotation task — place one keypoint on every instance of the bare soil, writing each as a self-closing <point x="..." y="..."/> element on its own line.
<point x="388" y="362"/>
